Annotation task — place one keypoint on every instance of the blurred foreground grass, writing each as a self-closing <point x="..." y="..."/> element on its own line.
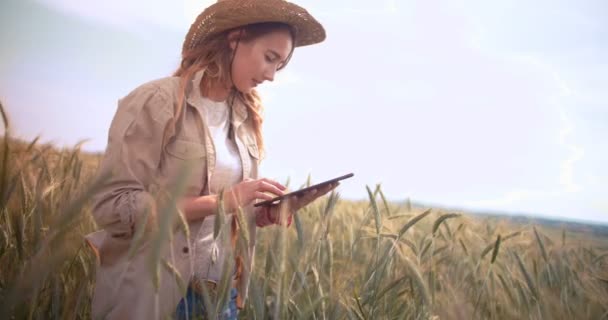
<point x="341" y="259"/>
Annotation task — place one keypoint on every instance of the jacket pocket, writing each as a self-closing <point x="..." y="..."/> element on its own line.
<point x="186" y="150"/>
<point x="180" y="155"/>
<point x="253" y="151"/>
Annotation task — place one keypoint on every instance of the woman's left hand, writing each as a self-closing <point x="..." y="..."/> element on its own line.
<point x="269" y="215"/>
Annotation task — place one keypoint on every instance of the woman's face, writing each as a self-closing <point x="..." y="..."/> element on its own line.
<point x="257" y="60"/>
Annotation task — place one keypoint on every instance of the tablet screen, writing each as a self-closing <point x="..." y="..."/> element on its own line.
<point x="302" y="191"/>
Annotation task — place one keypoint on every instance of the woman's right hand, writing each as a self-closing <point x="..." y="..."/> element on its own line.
<point x="244" y="193"/>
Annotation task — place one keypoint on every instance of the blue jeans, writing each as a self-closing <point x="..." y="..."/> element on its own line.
<point x="196" y="307"/>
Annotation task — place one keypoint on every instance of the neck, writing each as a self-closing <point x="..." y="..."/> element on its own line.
<point x="214" y="90"/>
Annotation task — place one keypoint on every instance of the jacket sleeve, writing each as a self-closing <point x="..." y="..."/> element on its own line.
<point x="131" y="160"/>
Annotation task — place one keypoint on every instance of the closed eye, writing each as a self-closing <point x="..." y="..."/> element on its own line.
<point x="273" y="57"/>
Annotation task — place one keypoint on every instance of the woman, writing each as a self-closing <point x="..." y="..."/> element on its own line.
<point x="206" y="118"/>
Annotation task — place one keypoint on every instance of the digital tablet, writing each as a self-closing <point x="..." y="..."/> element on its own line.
<point x="302" y="191"/>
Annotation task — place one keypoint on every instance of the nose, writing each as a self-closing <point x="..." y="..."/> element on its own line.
<point x="269" y="74"/>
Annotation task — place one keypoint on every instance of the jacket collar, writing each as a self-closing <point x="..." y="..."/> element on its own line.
<point x="195" y="98"/>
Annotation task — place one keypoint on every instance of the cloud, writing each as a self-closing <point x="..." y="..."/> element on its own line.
<point x="574" y="152"/>
<point x="285" y="78"/>
<point x="391" y="6"/>
<point x="192" y="8"/>
<point x="512" y="197"/>
<point x="132" y="15"/>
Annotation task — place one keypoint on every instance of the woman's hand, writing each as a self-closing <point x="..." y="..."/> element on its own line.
<point x="269" y="215"/>
<point x="244" y="193"/>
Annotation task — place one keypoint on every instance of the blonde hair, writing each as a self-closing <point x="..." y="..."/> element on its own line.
<point x="214" y="55"/>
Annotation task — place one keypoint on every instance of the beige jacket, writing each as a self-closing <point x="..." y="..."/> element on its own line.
<point x="124" y="287"/>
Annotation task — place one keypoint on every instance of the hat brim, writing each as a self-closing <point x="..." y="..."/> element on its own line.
<point x="230" y="14"/>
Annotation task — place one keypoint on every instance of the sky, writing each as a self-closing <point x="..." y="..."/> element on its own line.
<point x="469" y="104"/>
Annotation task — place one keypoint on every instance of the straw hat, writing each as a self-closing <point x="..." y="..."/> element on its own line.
<point x="228" y="14"/>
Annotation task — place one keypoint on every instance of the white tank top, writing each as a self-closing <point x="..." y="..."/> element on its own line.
<point x="209" y="258"/>
<point x="228" y="168"/>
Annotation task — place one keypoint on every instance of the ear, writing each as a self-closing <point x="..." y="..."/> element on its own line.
<point x="233" y="37"/>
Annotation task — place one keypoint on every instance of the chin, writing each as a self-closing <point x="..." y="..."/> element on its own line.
<point x="248" y="90"/>
<point x="245" y="89"/>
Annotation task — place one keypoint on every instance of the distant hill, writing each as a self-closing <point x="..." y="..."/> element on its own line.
<point x="589" y="227"/>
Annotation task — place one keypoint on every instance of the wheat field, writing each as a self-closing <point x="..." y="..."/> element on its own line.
<point x="339" y="260"/>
